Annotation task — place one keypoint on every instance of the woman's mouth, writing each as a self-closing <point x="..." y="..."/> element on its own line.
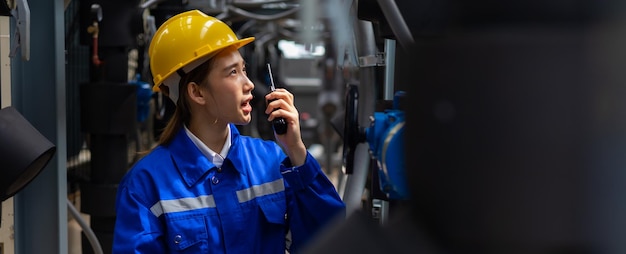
<point x="246" y="107"/>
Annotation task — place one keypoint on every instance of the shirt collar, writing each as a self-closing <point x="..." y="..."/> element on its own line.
<point x="210" y="154"/>
<point x="192" y="164"/>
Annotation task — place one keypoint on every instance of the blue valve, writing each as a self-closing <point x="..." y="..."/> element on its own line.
<point x="144" y="95"/>
<point x="386" y="141"/>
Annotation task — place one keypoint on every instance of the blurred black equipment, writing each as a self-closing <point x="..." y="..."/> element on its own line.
<point x="24" y="152"/>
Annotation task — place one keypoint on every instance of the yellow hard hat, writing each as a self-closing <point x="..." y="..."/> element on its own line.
<point x="185" y="41"/>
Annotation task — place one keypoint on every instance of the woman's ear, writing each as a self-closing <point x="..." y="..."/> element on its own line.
<point x="194" y="90"/>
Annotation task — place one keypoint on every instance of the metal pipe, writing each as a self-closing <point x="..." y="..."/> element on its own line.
<point x="390" y="55"/>
<point x="355" y="184"/>
<point x="396" y="22"/>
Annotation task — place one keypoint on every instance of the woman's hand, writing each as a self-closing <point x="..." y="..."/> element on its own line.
<point x="281" y="105"/>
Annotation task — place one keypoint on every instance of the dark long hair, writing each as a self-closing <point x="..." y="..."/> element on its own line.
<point x="182" y="114"/>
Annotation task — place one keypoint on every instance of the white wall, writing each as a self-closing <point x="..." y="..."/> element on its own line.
<point x="6" y="226"/>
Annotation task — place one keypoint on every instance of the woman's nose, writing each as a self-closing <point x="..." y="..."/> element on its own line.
<point x="248" y="83"/>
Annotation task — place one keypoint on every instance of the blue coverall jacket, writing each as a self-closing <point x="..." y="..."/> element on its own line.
<point x="174" y="200"/>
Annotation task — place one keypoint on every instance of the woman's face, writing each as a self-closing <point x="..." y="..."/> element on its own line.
<point x="229" y="89"/>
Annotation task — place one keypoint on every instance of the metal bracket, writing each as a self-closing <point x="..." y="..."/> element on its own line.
<point x="372" y="60"/>
<point x="21" y="39"/>
<point x="380" y="210"/>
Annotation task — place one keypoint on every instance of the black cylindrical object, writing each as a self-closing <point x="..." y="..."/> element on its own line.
<point x="108" y="108"/>
<point x="24" y="152"/>
<point x="100" y="199"/>
<point x="108" y="114"/>
<point x="109" y="158"/>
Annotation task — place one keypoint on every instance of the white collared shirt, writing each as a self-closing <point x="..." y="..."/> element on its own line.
<point x="217" y="159"/>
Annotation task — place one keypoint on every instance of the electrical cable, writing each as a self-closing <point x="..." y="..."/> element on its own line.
<point x="242" y="31"/>
<point x="261" y="17"/>
<point x="149" y="3"/>
<point x="91" y="236"/>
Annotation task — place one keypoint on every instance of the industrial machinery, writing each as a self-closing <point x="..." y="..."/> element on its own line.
<point x="386" y="141"/>
<point x="515" y="108"/>
<point x="385" y="138"/>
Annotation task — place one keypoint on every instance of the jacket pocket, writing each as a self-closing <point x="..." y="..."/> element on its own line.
<point x="274" y="209"/>
<point x="187" y="234"/>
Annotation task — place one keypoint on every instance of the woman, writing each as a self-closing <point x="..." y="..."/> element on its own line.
<point x="206" y="188"/>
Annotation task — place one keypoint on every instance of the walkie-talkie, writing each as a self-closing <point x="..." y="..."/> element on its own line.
<point x="279" y="124"/>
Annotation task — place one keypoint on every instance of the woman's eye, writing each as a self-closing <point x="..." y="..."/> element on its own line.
<point x="234" y="71"/>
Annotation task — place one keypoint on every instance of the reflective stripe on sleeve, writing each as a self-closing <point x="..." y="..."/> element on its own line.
<point x="260" y="190"/>
<point x="183" y="204"/>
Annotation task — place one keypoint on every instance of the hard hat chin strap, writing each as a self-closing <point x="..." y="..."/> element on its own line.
<point x="172" y="82"/>
<point x="181" y="72"/>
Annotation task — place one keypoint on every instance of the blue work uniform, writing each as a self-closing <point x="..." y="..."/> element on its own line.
<point x="174" y="200"/>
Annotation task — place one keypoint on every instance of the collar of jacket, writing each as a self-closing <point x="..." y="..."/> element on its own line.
<point x="193" y="165"/>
